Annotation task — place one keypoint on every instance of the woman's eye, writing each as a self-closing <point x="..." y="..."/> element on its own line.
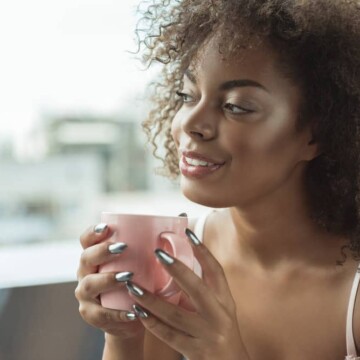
<point x="185" y="97"/>
<point x="236" y="109"/>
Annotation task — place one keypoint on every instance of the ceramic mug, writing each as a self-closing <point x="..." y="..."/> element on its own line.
<point x="143" y="234"/>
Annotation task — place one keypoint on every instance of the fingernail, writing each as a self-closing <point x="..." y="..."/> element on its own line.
<point x="117" y="248"/>
<point x="134" y="289"/>
<point x="100" y="228"/>
<point x="140" y="311"/>
<point x="130" y="316"/>
<point x="193" y="238"/>
<point x="124" y="276"/>
<point x="183" y="215"/>
<point x="164" y="257"/>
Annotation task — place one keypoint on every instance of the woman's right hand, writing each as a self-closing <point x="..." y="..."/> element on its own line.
<point x="116" y="323"/>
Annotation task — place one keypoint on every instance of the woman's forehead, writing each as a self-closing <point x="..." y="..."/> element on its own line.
<point x="210" y="57"/>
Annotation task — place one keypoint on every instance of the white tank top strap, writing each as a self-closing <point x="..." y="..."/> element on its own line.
<point x="200" y="225"/>
<point x="350" y="342"/>
<point x="199" y="232"/>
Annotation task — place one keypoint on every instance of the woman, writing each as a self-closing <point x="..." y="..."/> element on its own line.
<point x="259" y="111"/>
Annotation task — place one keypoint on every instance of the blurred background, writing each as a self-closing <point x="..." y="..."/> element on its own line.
<point x="72" y="98"/>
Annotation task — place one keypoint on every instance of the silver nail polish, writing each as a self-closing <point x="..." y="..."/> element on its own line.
<point x="131" y="316"/>
<point x="164" y="257"/>
<point x="117" y="248"/>
<point x="100" y="228"/>
<point x="193" y="238"/>
<point x="124" y="276"/>
<point x="140" y="311"/>
<point x="134" y="289"/>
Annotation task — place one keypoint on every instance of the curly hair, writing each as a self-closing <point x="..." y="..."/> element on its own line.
<point x="318" y="42"/>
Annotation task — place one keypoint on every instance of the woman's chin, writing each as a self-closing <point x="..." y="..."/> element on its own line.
<point x="203" y="198"/>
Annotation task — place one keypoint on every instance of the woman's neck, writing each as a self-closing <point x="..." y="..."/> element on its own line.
<point x="277" y="232"/>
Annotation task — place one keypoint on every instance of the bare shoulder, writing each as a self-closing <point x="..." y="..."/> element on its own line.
<point x="155" y="349"/>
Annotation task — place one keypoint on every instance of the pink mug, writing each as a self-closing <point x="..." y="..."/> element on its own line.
<point x="143" y="234"/>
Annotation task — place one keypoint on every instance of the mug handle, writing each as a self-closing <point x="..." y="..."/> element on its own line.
<point x="181" y="249"/>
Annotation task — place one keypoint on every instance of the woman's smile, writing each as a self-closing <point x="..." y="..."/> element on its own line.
<point x="194" y="165"/>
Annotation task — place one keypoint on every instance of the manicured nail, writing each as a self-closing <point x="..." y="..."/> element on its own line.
<point x="164" y="257"/>
<point x="183" y="215"/>
<point x="117" y="248"/>
<point x="140" y="311"/>
<point x="100" y="228"/>
<point x="193" y="238"/>
<point x="124" y="276"/>
<point x="130" y="316"/>
<point x="134" y="289"/>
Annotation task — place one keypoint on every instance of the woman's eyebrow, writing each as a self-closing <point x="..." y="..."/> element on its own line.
<point x="228" y="85"/>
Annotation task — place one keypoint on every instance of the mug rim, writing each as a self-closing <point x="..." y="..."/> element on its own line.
<point x="145" y="215"/>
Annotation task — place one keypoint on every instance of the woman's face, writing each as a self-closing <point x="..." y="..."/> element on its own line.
<point x="235" y="131"/>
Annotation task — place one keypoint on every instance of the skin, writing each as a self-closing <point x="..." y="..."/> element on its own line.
<point x="270" y="288"/>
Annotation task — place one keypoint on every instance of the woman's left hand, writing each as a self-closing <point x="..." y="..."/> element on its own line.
<point x="211" y="331"/>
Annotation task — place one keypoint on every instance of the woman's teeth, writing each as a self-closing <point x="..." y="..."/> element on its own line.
<point x="194" y="162"/>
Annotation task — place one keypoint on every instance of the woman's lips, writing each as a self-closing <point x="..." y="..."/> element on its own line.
<point x="192" y="155"/>
<point x="196" y="166"/>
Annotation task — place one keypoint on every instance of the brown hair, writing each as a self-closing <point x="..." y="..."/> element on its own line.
<point x="319" y="46"/>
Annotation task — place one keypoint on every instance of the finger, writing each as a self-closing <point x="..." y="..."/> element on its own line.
<point x="204" y="301"/>
<point x="94" y="284"/>
<point x="103" y="318"/>
<point x="94" y="234"/>
<point x="173" y="337"/>
<point x="213" y="273"/>
<point x="172" y="315"/>
<point x="185" y="302"/>
<point x="98" y="254"/>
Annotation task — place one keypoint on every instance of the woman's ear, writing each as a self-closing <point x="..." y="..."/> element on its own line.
<point x="312" y="148"/>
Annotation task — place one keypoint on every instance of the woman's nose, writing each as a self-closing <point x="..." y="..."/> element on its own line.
<point x="199" y="123"/>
